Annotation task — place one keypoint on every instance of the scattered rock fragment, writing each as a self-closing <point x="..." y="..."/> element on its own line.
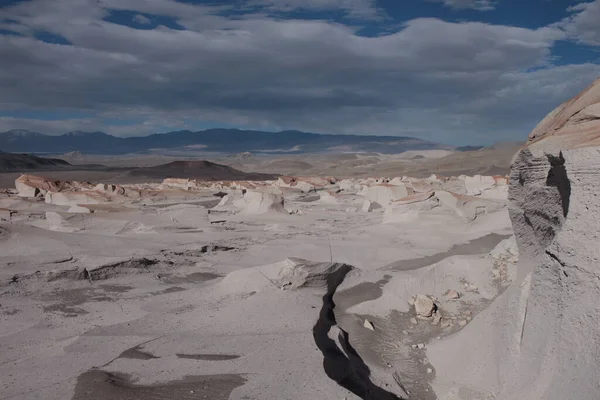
<point x="424" y="306"/>
<point x="469" y="287"/>
<point x="369" y="325"/>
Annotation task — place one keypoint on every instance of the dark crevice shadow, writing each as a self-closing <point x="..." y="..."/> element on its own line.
<point x="208" y="357"/>
<point x="344" y="366"/>
<point x="557" y="177"/>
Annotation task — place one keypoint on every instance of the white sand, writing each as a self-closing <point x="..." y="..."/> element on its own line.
<point x="158" y="289"/>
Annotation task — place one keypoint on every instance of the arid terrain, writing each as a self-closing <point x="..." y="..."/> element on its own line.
<point x="358" y="276"/>
<point x="226" y="289"/>
<point x="141" y="168"/>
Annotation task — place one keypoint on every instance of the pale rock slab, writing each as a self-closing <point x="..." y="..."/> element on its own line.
<point x="384" y="194"/>
<point x="424" y="306"/>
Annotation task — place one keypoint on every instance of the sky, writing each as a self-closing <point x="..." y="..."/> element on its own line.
<point x="453" y="71"/>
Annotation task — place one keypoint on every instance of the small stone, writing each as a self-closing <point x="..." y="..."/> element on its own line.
<point x="369" y="325"/>
<point x="429" y="370"/>
<point x="414" y="346"/>
<point x="424" y="306"/>
<point x="462" y="323"/>
<point x="437" y="318"/>
<point x="453" y="295"/>
<point x="413" y="321"/>
<point x="420" y="346"/>
<point x="471" y="288"/>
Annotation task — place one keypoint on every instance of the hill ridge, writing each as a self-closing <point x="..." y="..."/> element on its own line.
<point x="220" y="140"/>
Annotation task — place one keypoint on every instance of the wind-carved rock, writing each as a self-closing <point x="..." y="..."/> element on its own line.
<point x="554" y="206"/>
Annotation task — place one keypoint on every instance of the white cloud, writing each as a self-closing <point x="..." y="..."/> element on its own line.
<point x="141" y="19"/>
<point x="481" y="5"/>
<point x="433" y="79"/>
<point x="584" y="24"/>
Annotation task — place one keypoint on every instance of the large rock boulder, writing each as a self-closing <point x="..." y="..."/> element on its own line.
<point x="259" y="202"/>
<point x="227" y="201"/>
<point x="384" y="194"/>
<point x="37" y="186"/>
<point x="476" y="185"/>
<point x="486" y="186"/>
<point x="75" y="198"/>
<point x="467" y="207"/>
<point x="295" y="182"/>
<point x="26" y="189"/>
<point x="409" y="208"/>
<point x="440" y="203"/>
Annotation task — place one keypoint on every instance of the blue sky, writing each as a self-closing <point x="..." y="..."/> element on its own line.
<point x="454" y="71"/>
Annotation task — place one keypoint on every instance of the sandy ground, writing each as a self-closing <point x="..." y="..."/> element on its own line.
<point x="134" y="305"/>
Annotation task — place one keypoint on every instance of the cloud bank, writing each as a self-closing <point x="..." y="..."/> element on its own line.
<point x="451" y="82"/>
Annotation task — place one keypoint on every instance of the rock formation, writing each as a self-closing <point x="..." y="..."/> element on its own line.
<point x="259" y="202"/>
<point x="542" y="336"/>
<point x="555" y="211"/>
<point x="384" y="194"/>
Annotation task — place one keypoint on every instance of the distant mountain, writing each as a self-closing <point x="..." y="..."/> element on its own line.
<point x="468" y="148"/>
<point x="27" y="162"/>
<point x="210" y="140"/>
<point x="197" y="169"/>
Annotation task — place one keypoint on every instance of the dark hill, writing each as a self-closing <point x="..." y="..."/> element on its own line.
<point x="198" y="170"/>
<point x="26" y="162"/>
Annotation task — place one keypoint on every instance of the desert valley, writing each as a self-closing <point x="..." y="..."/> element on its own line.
<point x="324" y="276"/>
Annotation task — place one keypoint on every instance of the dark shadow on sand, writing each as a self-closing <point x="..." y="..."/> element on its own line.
<point x="348" y="370"/>
<point x="481" y="245"/>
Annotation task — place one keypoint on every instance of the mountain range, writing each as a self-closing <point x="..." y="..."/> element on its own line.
<point x="210" y="140"/>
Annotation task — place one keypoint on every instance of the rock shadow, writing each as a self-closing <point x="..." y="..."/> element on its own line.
<point x="344" y="366"/>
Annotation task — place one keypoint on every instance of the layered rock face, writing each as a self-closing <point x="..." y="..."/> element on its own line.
<point x="554" y="206"/>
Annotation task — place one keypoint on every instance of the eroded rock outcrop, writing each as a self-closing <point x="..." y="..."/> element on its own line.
<point x="541" y="336"/>
<point x="259" y="202"/>
<point x="555" y="211"/>
<point x="440" y="203"/>
<point x="37" y="186"/>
